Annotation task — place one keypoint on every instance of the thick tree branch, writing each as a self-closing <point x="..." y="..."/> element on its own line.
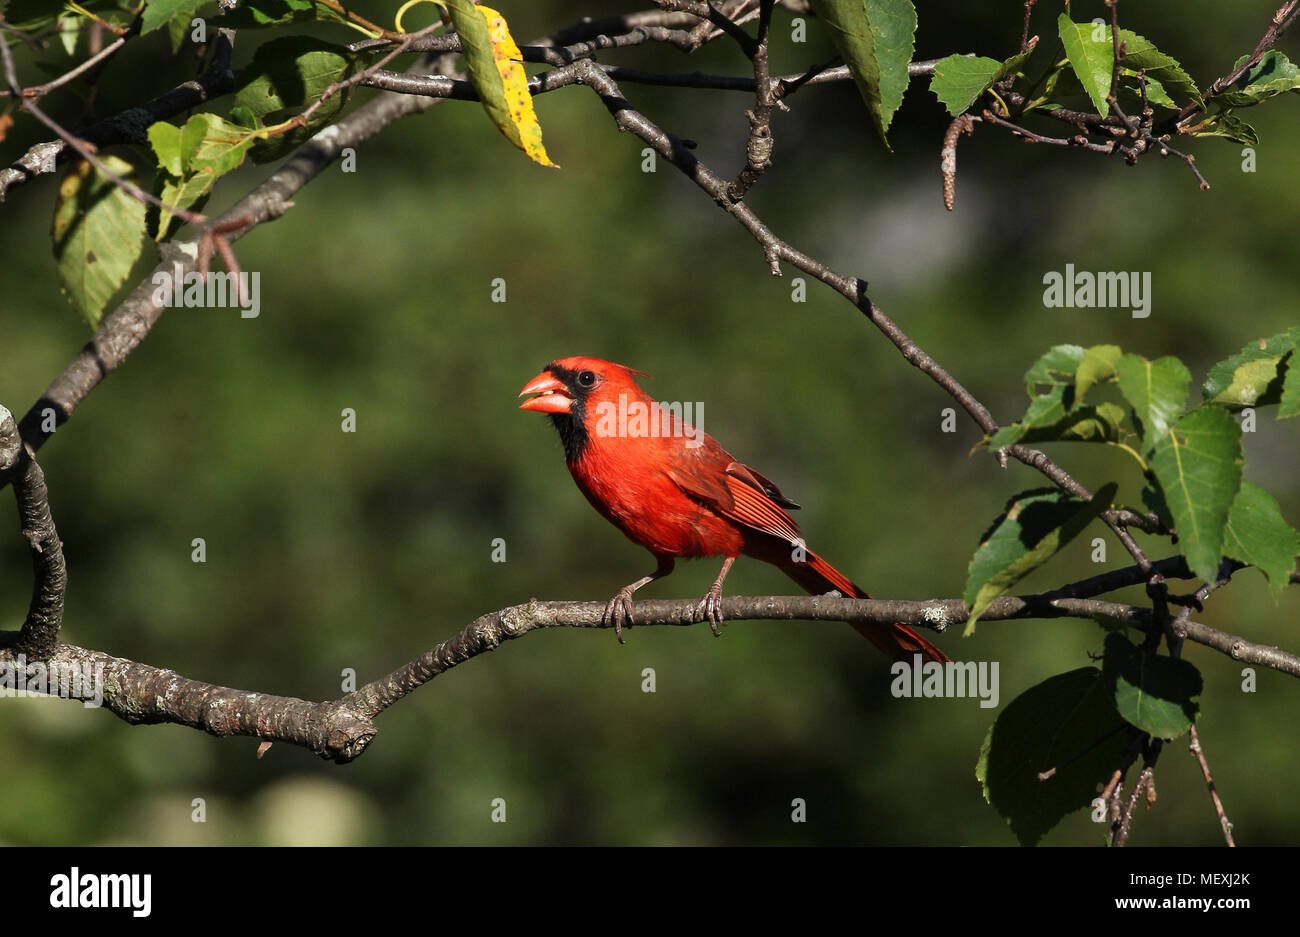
<point x="1244" y="650"/>
<point x="145" y="695"/>
<point x="40" y="632"/>
<point x="341" y="729"/>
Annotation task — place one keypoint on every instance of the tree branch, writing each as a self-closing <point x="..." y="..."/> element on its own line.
<point x="706" y="11"/>
<point x="1194" y="746"/>
<point x="341" y="729"/>
<point x="758" y="148"/>
<point x="40" y="632"/>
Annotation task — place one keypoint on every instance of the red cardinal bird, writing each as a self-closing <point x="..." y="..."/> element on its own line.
<point x="675" y="491"/>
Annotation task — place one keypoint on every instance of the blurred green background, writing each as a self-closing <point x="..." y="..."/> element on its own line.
<point x="328" y="550"/>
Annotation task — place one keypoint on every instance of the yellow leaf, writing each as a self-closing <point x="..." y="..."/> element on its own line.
<point x="498" y="75"/>
<point x="508" y="58"/>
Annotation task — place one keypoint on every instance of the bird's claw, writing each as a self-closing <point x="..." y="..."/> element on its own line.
<point x="618" y="610"/>
<point x="710" y="609"/>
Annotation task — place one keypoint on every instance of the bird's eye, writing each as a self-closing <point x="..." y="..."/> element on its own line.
<point x="587" y="378"/>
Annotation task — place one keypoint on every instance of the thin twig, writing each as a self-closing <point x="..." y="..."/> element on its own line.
<point x="1194" y="746"/>
<point x="758" y="148"/>
<point x="38" y="91"/>
<point x="1126" y="822"/>
<point x="706" y="11"/>
<point x="1024" y="35"/>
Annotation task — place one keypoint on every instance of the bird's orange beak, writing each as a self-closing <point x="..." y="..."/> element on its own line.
<point x="551" y="395"/>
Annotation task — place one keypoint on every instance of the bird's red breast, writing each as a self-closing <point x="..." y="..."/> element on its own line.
<point x="646" y="484"/>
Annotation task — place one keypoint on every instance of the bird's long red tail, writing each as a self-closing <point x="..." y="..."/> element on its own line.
<point x="898" y="641"/>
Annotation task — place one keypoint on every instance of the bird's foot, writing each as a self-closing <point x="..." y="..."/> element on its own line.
<point x="617" y="611"/>
<point x="710" y="609"/>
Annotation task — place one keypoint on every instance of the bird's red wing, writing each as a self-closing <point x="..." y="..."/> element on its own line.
<point x="739" y="494"/>
<point x="755" y="509"/>
<point x="757" y="479"/>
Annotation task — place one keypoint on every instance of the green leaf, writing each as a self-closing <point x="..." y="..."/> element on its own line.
<point x="1272" y="75"/>
<point x="1131" y="90"/>
<point x="959" y="80"/>
<point x="1198" y="465"/>
<point x="158" y="13"/>
<point x="98" y="235"/>
<point x="289" y="74"/>
<point x="1251" y="377"/>
<point x="1100" y="423"/>
<point x="1044" y="410"/>
<point x="245" y="118"/>
<point x="1054" y="412"/>
<point x="1097" y="367"/>
<point x="476" y="45"/>
<point x="1152" y="692"/>
<point x="1258" y="536"/>
<point x="69" y="31"/>
<point x="1005" y="436"/>
<point x="208" y="142"/>
<point x="874" y="37"/>
<point x="1092" y="61"/>
<point x="893" y="23"/>
<point x="1229" y="126"/>
<point x="1036" y="526"/>
<point x="1047" y="420"/>
<point x="1056" y="724"/>
<point x="1057" y="366"/>
<point x="192" y="158"/>
<point x="1157" y="391"/>
<point x="1067" y="91"/>
<point x="165" y="139"/>
<point x="1141" y="53"/>
<point x="1289" y="404"/>
<point x="188" y="192"/>
<point x="1254" y="382"/>
<point x="178" y="30"/>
